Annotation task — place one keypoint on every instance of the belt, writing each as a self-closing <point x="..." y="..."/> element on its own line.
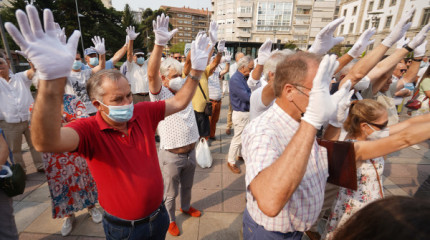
<point x="130" y="223"/>
<point x="182" y="150"/>
<point x="214" y="100"/>
<point x="142" y="94"/>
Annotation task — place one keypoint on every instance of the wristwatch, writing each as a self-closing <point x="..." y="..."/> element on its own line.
<point x="417" y="60"/>
<point x="194" y="77"/>
<point x="407" y="48"/>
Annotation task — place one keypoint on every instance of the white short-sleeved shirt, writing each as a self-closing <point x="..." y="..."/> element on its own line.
<point x="214" y="86"/>
<point x="179" y="129"/>
<point x="257" y="106"/>
<point x="78" y="81"/>
<point x="137" y="76"/>
<point x="263" y="141"/>
<point x="15" y="98"/>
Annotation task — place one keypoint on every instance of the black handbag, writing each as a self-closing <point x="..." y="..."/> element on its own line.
<point x="208" y="106"/>
<point x="13" y="185"/>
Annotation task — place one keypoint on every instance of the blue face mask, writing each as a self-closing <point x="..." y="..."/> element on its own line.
<point x="140" y="60"/>
<point x="77" y="64"/>
<point x="120" y="113"/>
<point x="94" y="61"/>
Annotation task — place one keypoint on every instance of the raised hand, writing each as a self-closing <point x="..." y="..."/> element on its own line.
<point x="161" y="30"/>
<point x="61" y="33"/>
<point x="264" y="52"/>
<point x="99" y="45"/>
<point x="213" y="32"/>
<point x="324" y="41"/>
<point x="420" y="50"/>
<point x="132" y="35"/>
<point x="403" y="40"/>
<point x="399" y="30"/>
<point x="342" y="100"/>
<point x="320" y="107"/>
<point x="362" y="43"/>
<point x="200" y="52"/>
<point x="221" y="46"/>
<point x="52" y="58"/>
<point x="227" y="55"/>
<point x="420" y="37"/>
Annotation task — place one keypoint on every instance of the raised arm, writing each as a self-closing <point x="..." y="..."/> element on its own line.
<point x="131" y="36"/>
<point x="121" y="52"/>
<point x="274" y="185"/>
<point x="263" y="54"/>
<point x="214" y="64"/>
<point x="99" y="46"/>
<point x="412" y="72"/>
<point x="187" y="66"/>
<point x="40" y="46"/>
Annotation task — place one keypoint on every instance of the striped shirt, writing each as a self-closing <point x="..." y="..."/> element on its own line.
<point x="263" y="141"/>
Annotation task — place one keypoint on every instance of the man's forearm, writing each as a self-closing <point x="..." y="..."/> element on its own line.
<point x="154" y="69"/>
<point x="274" y="186"/>
<point x="214" y="63"/>
<point x="412" y="72"/>
<point x="186" y="93"/>
<point x="187" y="65"/>
<point x="119" y="54"/>
<point x="343" y="61"/>
<point x="256" y="73"/>
<point x="130" y="51"/>
<point x="387" y="64"/>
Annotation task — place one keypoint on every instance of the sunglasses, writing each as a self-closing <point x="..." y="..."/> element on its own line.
<point x="403" y="70"/>
<point x="177" y="57"/>
<point x="380" y="126"/>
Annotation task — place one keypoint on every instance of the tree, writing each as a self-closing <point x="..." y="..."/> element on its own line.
<point x="146" y="29"/>
<point x="179" y="47"/>
<point x="127" y="17"/>
<point x="290" y="45"/>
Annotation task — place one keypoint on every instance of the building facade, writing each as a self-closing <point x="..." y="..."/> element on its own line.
<point x="189" y="22"/>
<point x="381" y="14"/>
<point x="286" y="20"/>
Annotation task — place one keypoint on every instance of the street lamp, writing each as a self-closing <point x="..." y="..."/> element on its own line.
<point x="79" y="22"/>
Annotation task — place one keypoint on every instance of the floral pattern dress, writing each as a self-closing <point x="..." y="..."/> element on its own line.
<point x="349" y="201"/>
<point x="71" y="185"/>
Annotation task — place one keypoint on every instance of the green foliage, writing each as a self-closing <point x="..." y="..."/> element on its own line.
<point x="147" y="38"/>
<point x="179" y="47"/>
<point x="127" y="17"/>
<point x="336" y="50"/>
<point x="290" y="45"/>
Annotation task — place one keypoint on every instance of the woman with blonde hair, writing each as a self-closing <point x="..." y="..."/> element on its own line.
<point x="366" y="126"/>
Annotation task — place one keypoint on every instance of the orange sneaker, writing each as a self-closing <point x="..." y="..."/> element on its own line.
<point x="192" y="212"/>
<point x="173" y="229"/>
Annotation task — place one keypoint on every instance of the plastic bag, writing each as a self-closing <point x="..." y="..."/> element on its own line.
<point x="203" y="154"/>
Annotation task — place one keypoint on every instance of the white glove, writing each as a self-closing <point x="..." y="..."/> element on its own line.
<point x="403" y="40"/>
<point x="132" y="35"/>
<point x="420" y="37"/>
<point x="362" y="43"/>
<point x="61" y="33"/>
<point x="399" y="30"/>
<point x="264" y="52"/>
<point x="213" y="32"/>
<point x="227" y="55"/>
<point x="22" y="54"/>
<point x="52" y="58"/>
<point x="99" y="45"/>
<point x="221" y="46"/>
<point x="161" y="30"/>
<point x="420" y="50"/>
<point x="324" y="41"/>
<point x="320" y="107"/>
<point x="200" y="52"/>
<point x="343" y="99"/>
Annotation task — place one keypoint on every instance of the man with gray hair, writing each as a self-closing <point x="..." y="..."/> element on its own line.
<point x="240" y="94"/>
<point x="178" y="136"/>
<point x="232" y="71"/>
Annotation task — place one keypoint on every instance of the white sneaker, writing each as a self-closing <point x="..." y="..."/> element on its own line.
<point x="415" y="146"/>
<point x="67" y="225"/>
<point x="96" y="215"/>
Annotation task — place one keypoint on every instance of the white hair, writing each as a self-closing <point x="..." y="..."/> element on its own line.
<point x="244" y="61"/>
<point x="170" y="63"/>
<point x="274" y="59"/>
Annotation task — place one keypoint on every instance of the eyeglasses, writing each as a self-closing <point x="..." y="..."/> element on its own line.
<point x="380" y="126"/>
<point x="177" y="57"/>
<point x="307" y="95"/>
<point x="403" y="70"/>
<point x="138" y="56"/>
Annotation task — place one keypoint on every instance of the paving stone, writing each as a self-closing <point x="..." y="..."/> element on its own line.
<point x="208" y="200"/>
<point x="220" y="226"/>
<point x="409" y="185"/>
<point x="90" y="238"/>
<point x="216" y="167"/>
<point x="188" y="227"/>
<point x="207" y="180"/>
<point x="41" y="194"/>
<point x="87" y="227"/>
<point x="405" y="153"/>
<point x="234" y="201"/>
<point x="30" y="186"/>
<point x="233" y="181"/>
<point x="37" y="236"/>
<point x="26" y="212"/>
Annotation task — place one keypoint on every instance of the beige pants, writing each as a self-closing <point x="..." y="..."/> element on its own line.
<point x="13" y="133"/>
<point x="240" y="120"/>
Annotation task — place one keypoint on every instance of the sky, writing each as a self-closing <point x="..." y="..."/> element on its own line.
<point x="155" y="4"/>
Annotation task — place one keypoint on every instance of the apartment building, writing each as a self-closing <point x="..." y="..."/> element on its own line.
<point x="285" y="20"/>
<point x="381" y="14"/>
<point x="188" y="21"/>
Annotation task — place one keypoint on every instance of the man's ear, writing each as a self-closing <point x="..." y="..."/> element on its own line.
<point x="97" y="104"/>
<point x="288" y="92"/>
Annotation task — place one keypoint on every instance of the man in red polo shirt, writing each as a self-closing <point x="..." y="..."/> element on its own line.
<point x="118" y="142"/>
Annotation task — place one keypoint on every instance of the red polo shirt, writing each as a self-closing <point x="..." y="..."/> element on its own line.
<point x="125" y="168"/>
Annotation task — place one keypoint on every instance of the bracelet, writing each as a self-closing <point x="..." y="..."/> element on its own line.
<point x="194" y="77"/>
<point x="417" y="60"/>
<point x="407" y="48"/>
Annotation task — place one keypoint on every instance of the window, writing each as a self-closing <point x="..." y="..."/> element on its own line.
<point x="341" y="29"/>
<point x="180" y="15"/>
<point x="273" y="16"/>
<point x="370" y="7"/>
<point x="366" y="25"/>
<point x="351" y="27"/>
<point x="326" y="19"/>
<point x="381" y="4"/>
<point x="376" y="23"/>
<point x="344" y="12"/>
<point x="246" y="9"/>
<point x="388" y="21"/>
<point x="354" y="11"/>
<point x="426" y="17"/>
<point x="393" y="2"/>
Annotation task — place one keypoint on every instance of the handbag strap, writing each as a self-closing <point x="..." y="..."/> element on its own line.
<point x="379" y="180"/>
<point x="203" y="92"/>
<point x="10" y="152"/>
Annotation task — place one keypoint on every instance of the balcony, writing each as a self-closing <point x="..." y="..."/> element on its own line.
<point x="241" y="34"/>
<point x="241" y="24"/>
<point x="304" y="3"/>
<point x="244" y="15"/>
<point x="301" y="32"/>
<point x="299" y="22"/>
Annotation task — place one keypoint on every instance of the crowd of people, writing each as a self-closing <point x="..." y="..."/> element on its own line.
<point x="93" y="125"/>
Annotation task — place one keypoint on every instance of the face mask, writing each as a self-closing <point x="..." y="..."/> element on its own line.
<point x="176" y="83"/>
<point x="394" y="79"/>
<point x="140" y="60"/>
<point x="409" y="86"/>
<point x="120" y="113"/>
<point x="378" y="134"/>
<point x="363" y="84"/>
<point x="94" y="61"/>
<point x="76" y="65"/>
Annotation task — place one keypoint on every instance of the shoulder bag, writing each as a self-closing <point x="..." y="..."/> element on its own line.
<point x="208" y="106"/>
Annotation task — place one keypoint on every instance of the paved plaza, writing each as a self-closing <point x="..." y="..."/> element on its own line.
<point x="218" y="192"/>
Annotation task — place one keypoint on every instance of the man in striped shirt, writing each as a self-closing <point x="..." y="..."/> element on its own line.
<point x="286" y="170"/>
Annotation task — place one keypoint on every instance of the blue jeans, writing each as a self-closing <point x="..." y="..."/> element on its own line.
<point x="154" y="230"/>
<point x="253" y="231"/>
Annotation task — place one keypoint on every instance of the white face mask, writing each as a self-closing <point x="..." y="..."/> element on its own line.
<point x="176" y="83"/>
<point x="378" y="134"/>
<point x="363" y="84"/>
